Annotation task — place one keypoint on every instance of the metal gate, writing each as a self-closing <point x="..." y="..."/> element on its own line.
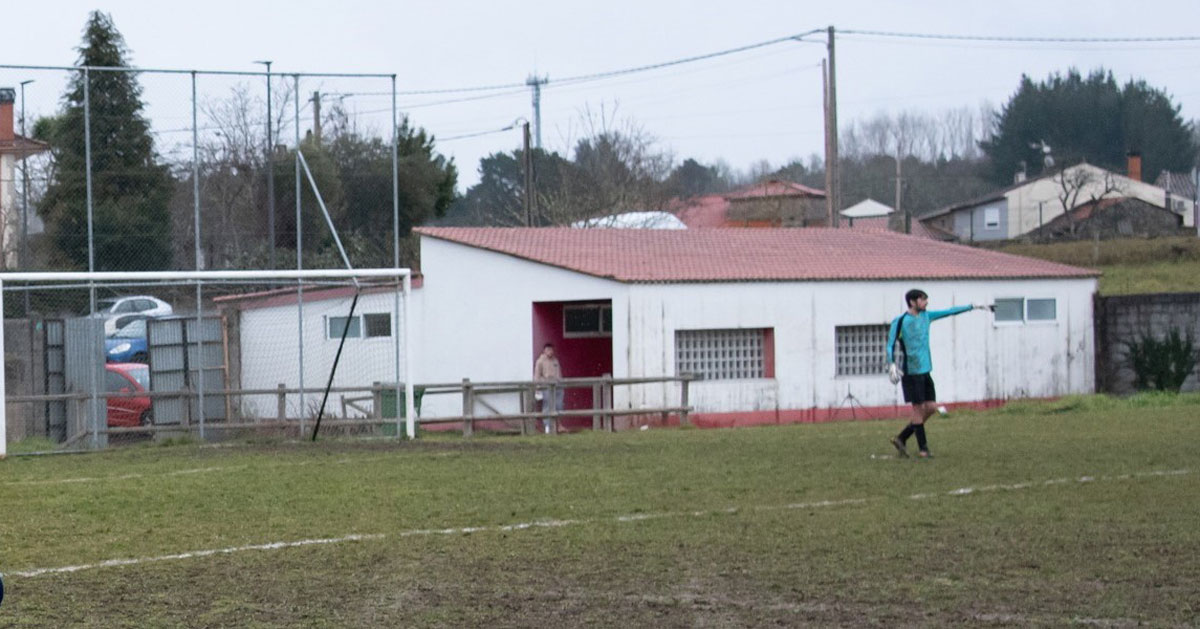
<point x="180" y="351"/>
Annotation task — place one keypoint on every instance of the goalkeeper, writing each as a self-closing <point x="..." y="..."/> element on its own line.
<point x="911" y="330"/>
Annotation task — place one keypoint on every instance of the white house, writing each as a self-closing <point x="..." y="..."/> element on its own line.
<point x="1030" y="204"/>
<point x="780" y="325"/>
<point x="13" y="148"/>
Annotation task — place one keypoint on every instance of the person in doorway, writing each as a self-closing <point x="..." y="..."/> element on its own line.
<point x="547" y="369"/>
<point x="911" y="330"/>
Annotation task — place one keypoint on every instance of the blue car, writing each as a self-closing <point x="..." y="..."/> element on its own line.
<point x="127" y="345"/>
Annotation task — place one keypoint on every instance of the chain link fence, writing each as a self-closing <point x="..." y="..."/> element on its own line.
<point x="117" y="169"/>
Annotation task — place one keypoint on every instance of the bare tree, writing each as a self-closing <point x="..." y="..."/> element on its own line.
<point x="1087" y="182"/>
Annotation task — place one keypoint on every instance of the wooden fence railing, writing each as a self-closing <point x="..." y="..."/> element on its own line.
<point x="371" y="405"/>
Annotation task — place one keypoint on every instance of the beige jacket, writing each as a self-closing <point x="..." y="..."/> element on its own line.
<point x="546" y="368"/>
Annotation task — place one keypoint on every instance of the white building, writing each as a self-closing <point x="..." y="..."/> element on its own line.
<point x="782" y="324"/>
<point x="1030" y="204"/>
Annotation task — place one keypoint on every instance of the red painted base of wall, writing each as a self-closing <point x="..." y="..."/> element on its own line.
<point x="818" y="415"/>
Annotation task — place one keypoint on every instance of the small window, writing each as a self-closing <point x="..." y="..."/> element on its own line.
<point x="1041" y="310"/>
<point x="587" y="320"/>
<point x="378" y="325"/>
<point x="991" y="218"/>
<point x="338" y="324"/>
<point x="861" y="349"/>
<point x="1010" y="309"/>
<point x="724" y="354"/>
<point x="128" y="305"/>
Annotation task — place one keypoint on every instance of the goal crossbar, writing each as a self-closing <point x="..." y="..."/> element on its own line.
<point x="403" y="274"/>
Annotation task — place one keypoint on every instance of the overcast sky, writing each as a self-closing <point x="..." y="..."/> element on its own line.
<point x="764" y="104"/>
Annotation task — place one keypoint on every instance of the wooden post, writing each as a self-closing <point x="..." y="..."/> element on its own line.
<point x="683" y="401"/>
<point x="377" y="400"/>
<point x="468" y="408"/>
<point x="527" y="406"/>
<point x="281" y="403"/>
<point x="606" y="401"/>
<point x="597" y="402"/>
<point x="552" y="397"/>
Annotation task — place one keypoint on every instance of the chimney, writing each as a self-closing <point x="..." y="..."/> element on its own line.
<point x="1134" y="167"/>
<point x="7" y="96"/>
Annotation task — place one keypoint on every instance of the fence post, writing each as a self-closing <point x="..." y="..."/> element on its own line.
<point x="683" y="401"/>
<point x="527" y="403"/>
<point x="597" y="402"/>
<point x="606" y="401"/>
<point x="468" y="408"/>
<point x="377" y="400"/>
<point x="552" y="399"/>
<point x="281" y="403"/>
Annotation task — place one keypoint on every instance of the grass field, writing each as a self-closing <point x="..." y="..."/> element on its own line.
<point x="1083" y="510"/>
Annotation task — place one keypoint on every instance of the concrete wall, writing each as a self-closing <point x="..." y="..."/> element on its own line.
<point x="1125" y="318"/>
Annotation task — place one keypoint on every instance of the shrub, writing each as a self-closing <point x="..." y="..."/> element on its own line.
<point x="1163" y="364"/>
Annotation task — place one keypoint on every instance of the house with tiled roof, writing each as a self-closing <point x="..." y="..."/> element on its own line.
<point x="770" y="203"/>
<point x="777" y="325"/>
<point x="1030" y="204"/>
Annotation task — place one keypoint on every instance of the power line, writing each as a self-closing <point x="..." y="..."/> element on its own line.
<point x="604" y="75"/>
<point x="1040" y="40"/>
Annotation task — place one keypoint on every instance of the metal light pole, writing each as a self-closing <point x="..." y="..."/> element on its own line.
<point x="270" y="174"/>
<point x="24" y="197"/>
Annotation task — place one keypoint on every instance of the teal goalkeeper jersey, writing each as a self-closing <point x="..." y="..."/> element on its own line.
<point x="914" y="334"/>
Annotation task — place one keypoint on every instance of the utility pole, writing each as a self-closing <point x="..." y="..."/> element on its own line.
<point x="316" y="101"/>
<point x="829" y="211"/>
<point x="270" y="173"/>
<point x="529" y="192"/>
<point x="536" y="83"/>
<point x="900" y="193"/>
<point x="831" y="156"/>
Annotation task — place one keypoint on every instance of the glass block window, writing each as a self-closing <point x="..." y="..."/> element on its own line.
<point x="721" y="354"/>
<point x="1041" y="309"/>
<point x="1010" y="309"/>
<point x="861" y="350"/>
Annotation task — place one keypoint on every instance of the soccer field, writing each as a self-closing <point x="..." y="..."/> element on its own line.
<point x="1084" y="510"/>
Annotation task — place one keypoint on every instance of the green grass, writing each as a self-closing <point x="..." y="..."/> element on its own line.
<point x="789" y="525"/>
<point x="1128" y="265"/>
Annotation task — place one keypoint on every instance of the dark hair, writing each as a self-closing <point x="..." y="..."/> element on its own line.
<point x="548" y="345"/>
<point x="914" y="295"/>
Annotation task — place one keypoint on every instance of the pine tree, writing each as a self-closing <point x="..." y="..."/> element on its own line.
<point x="130" y="187"/>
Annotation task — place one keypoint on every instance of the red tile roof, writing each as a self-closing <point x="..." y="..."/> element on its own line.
<point x="711" y="210"/>
<point x="732" y="255"/>
<point x="775" y="188"/>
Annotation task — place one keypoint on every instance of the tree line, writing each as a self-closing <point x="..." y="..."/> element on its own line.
<point x="143" y="204"/>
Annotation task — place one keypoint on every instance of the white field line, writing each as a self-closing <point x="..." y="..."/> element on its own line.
<point x="552" y="523"/>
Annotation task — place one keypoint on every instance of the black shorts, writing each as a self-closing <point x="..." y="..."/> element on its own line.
<point x="918" y="388"/>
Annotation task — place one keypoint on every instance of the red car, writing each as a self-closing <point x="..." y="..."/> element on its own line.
<point x="127" y="378"/>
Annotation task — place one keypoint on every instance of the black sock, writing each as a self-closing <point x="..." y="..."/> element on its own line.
<point x="921" y="443"/>
<point x="905" y="434"/>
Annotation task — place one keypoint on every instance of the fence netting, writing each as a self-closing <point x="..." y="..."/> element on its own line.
<point x="92" y="365"/>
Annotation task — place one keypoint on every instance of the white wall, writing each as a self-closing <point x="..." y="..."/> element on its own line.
<point x="974" y="357"/>
<point x="270" y="352"/>
<point x="476" y="317"/>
